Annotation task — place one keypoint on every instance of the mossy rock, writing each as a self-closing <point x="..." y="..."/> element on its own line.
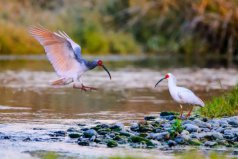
<point x="194" y="142"/>
<point x="104" y="131"/>
<point x="122" y="133"/>
<point x="138" y="139"/>
<point x="112" y="143"/>
<point x="168" y="113"/>
<point x="74" y="135"/>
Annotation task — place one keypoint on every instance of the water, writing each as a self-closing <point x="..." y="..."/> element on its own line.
<point x="30" y="107"/>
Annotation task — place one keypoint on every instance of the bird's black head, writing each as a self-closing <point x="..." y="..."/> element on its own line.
<point x="95" y="63"/>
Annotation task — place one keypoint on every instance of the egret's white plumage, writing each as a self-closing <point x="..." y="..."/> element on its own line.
<point x="180" y="94"/>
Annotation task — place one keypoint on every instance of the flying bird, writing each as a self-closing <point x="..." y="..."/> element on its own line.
<point x="181" y="95"/>
<point x="65" y="56"/>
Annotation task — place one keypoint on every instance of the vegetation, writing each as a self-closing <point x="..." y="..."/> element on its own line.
<point x="225" y="105"/>
<point x="192" y="28"/>
<point x="177" y="128"/>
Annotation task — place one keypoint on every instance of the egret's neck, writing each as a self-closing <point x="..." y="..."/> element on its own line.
<point x="171" y="83"/>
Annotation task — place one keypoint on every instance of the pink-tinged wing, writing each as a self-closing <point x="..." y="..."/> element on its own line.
<point x="58" y="49"/>
<point x="189" y="97"/>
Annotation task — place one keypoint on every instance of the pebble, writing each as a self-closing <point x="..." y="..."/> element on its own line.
<point x="191" y="128"/>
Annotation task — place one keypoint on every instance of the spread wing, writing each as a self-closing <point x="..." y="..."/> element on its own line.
<point x="60" y="49"/>
<point x="189" y="97"/>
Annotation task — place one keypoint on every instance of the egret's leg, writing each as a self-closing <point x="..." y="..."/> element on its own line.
<point x="189" y="113"/>
<point x="82" y="87"/>
<point x="181" y="111"/>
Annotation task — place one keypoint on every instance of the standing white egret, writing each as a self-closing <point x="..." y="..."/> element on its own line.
<point x="65" y="56"/>
<point x="181" y="95"/>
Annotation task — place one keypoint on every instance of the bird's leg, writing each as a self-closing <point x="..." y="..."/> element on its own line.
<point x="83" y="87"/>
<point x="189" y="113"/>
<point x="181" y="111"/>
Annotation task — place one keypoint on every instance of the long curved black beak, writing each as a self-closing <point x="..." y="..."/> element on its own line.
<point x="107" y="71"/>
<point x="159" y="81"/>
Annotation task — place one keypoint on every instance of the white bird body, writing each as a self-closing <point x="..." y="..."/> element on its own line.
<point x="182" y="95"/>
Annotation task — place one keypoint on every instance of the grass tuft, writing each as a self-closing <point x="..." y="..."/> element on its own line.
<point x="225" y="105"/>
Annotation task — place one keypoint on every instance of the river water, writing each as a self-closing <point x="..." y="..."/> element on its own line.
<point x="31" y="108"/>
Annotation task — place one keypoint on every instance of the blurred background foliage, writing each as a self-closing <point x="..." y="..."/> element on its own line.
<point x="200" y="30"/>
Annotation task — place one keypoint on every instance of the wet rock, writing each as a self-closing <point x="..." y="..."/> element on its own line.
<point x="145" y="128"/>
<point x="229" y="134"/>
<point x="117" y="127"/>
<point x="184" y="132"/>
<point x="81" y="124"/>
<point x="220" y="130"/>
<point x="89" y="133"/>
<point x="162" y="136"/>
<point x="150" y="118"/>
<point x="169" y="117"/>
<point x="84" y="129"/>
<point x="138" y="139"/>
<point x="214" y="123"/>
<point x="191" y="128"/>
<point x="101" y="126"/>
<point x="217" y="136"/>
<point x="124" y="133"/>
<point x="210" y="143"/>
<point x="162" y="114"/>
<point x="205" y="130"/>
<point x="171" y="143"/>
<point x="179" y="140"/>
<point x="83" y="143"/>
<point x="112" y="143"/>
<point x="72" y="130"/>
<point x="74" y="135"/>
<point x="223" y="123"/>
<point x="58" y="134"/>
<point x="104" y="131"/>
<point x="202" y="124"/>
<point x="135" y="127"/>
<point x="233" y="121"/>
<point x="194" y="142"/>
<point x="27" y="139"/>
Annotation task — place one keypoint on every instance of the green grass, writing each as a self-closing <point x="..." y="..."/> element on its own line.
<point x="224" y="105"/>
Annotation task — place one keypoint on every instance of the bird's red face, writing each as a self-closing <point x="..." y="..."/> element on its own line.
<point x="100" y="63"/>
<point x="166" y="76"/>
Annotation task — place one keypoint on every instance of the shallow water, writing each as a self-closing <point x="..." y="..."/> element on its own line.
<point x="30" y="107"/>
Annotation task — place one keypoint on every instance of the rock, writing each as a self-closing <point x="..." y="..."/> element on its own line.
<point x="81" y="124"/>
<point x="101" y="126"/>
<point x="149" y="118"/>
<point x="194" y="142"/>
<point x="220" y="130"/>
<point x="124" y="133"/>
<point x="145" y="128"/>
<point x="103" y="131"/>
<point x="202" y="124"/>
<point x="162" y="114"/>
<point x="169" y="117"/>
<point x="205" y="130"/>
<point x="58" y="134"/>
<point x="27" y="139"/>
<point x="210" y="143"/>
<point x="89" y="133"/>
<point x="191" y="128"/>
<point x="72" y="130"/>
<point x="83" y="143"/>
<point x="84" y="129"/>
<point x="217" y="136"/>
<point x="229" y="134"/>
<point x="223" y="123"/>
<point x="117" y="127"/>
<point x="74" y="135"/>
<point x="184" y="132"/>
<point x="162" y="136"/>
<point x="135" y="127"/>
<point x="233" y="121"/>
<point x="214" y="123"/>
<point x="138" y="139"/>
<point x="171" y="143"/>
<point x="179" y="140"/>
<point x="112" y="143"/>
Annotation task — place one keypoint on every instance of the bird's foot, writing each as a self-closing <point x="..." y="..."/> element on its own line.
<point x="84" y="88"/>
